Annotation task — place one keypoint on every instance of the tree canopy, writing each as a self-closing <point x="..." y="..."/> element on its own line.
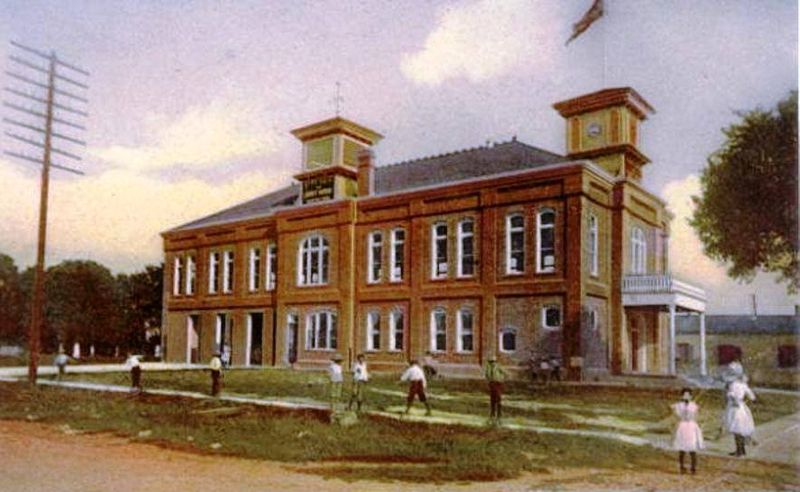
<point x="747" y="213"/>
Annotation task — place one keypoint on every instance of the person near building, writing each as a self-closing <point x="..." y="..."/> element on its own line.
<point x="429" y="365"/>
<point x="495" y="376"/>
<point x="60" y="362"/>
<point x="215" y="367"/>
<point x="555" y="369"/>
<point x="688" y="435"/>
<point x="360" y="378"/>
<point x="416" y="387"/>
<point x="739" y="418"/>
<point x="134" y="366"/>
<point x="336" y="378"/>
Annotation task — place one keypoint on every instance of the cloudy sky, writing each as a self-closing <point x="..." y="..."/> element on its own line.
<point x="191" y="101"/>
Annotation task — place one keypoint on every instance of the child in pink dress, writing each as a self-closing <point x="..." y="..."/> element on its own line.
<point x="688" y="435"/>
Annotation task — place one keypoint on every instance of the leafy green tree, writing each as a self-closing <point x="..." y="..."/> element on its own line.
<point x="139" y="297"/>
<point x="12" y="302"/>
<point x="747" y="213"/>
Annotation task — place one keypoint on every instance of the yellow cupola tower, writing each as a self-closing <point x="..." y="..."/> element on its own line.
<point x="330" y="158"/>
<point x="604" y="126"/>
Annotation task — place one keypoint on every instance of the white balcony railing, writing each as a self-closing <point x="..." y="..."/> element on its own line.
<point x="660" y="284"/>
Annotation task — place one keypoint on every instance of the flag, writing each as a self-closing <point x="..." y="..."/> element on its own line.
<point x="591" y="15"/>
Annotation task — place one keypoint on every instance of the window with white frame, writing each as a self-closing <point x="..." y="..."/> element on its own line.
<point x="438" y="330"/>
<point x="638" y="251"/>
<point x="254" y="269"/>
<point x="177" y="276"/>
<point x="439" y="250"/>
<point x="373" y="330"/>
<point x="546" y="241"/>
<point x="465" y="324"/>
<point x="396" y="325"/>
<point x="312" y="259"/>
<point x="272" y="266"/>
<point x="593" y="246"/>
<point x="374" y="257"/>
<point x="551" y="317"/>
<point x="213" y="272"/>
<point x="466" y="248"/>
<point x="508" y="339"/>
<point x="227" y="271"/>
<point x="398" y="239"/>
<point x="321" y="330"/>
<point x="191" y="275"/>
<point x="515" y="244"/>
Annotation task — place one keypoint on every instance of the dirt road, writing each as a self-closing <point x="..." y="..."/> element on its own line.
<point x="41" y="457"/>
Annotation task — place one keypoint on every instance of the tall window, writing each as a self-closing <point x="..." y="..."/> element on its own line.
<point x="465" y="322"/>
<point x="546" y="241"/>
<point x="312" y="268"/>
<point x="398" y="240"/>
<point x="254" y="269"/>
<point x="515" y="244"/>
<point x="396" y="325"/>
<point x="227" y="272"/>
<point x="272" y="266"/>
<point x="438" y="330"/>
<point x="439" y="250"/>
<point x="177" y="276"/>
<point x="638" y="251"/>
<point x="508" y="339"/>
<point x="466" y="248"/>
<point x="373" y="330"/>
<point x="191" y="275"/>
<point x="374" y="257"/>
<point x="593" y="245"/>
<point x="551" y="317"/>
<point x="321" y="330"/>
<point x="213" y="272"/>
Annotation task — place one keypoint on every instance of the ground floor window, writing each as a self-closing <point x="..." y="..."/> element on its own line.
<point x="684" y="352"/>
<point x="551" y="317"/>
<point x="321" y="330"/>
<point x="396" y="324"/>
<point x="508" y="339"/>
<point x="464" y="327"/>
<point x="373" y="330"/>
<point x="438" y="330"/>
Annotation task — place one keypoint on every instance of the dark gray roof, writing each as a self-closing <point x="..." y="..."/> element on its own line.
<point x="427" y="171"/>
<point x="469" y="163"/>
<point x="736" y="324"/>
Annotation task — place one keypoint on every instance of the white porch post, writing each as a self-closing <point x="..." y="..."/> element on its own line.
<point x="671" y="339"/>
<point x="703" y="370"/>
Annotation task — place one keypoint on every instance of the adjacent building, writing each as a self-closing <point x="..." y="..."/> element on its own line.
<point x="504" y="249"/>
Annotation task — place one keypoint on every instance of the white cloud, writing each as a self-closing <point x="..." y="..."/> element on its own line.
<point x="201" y="137"/>
<point x="483" y="40"/>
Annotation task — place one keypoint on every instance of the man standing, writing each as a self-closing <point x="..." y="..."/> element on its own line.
<point x="360" y="378"/>
<point x="495" y="375"/>
<point x="215" y="366"/>
<point x="136" y="372"/>
<point x="417" y="384"/>
<point x="61" y="363"/>
<point x="336" y="378"/>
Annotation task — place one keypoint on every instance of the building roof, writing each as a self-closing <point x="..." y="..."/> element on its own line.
<point x="625" y="96"/>
<point x="439" y="169"/>
<point x="740" y="324"/>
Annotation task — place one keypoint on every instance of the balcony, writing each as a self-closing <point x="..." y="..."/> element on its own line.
<point x="662" y="290"/>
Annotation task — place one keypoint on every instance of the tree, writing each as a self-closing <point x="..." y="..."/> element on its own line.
<point x="12" y="302"/>
<point x="139" y="297"/>
<point x="747" y="213"/>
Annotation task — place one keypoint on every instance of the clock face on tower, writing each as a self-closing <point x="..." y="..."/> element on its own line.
<point x="594" y="129"/>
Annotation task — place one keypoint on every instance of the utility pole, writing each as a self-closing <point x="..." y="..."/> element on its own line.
<point x="37" y="125"/>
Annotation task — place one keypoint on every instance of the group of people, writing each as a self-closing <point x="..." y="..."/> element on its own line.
<point x="737" y="418"/>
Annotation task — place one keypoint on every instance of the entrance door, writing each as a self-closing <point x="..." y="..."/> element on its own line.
<point x="255" y="331"/>
<point x="634" y="347"/>
<point x="224" y="338"/>
<point x="292" y="329"/>
<point x="193" y="339"/>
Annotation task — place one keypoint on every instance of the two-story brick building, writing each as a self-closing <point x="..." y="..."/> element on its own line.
<point x="504" y="249"/>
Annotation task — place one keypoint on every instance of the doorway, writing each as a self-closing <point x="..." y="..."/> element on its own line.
<point x="255" y="339"/>
<point x="224" y="338"/>
<point x="292" y="329"/>
<point x="193" y="339"/>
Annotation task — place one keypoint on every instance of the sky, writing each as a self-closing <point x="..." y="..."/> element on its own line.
<point x="191" y="102"/>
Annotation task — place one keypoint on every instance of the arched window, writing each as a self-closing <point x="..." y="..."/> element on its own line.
<point x="638" y="251"/>
<point x="508" y="339"/>
<point x="438" y="330"/>
<point x="593" y="246"/>
<point x="465" y="323"/>
<point x="515" y="244"/>
<point x="373" y="330"/>
<point x="546" y="241"/>
<point x="321" y="330"/>
<point x="312" y="261"/>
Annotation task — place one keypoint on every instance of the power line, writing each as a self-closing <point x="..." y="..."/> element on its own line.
<point x="39" y="135"/>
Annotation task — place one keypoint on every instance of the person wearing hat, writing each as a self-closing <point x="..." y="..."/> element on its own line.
<point x="739" y="418"/>
<point x="688" y="435"/>
<point x="136" y="371"/>
<point x="61" y="363"/>
<point x="495" y="375"/>
<point x="215" y="366"/>
<point x="360" y="378"/>
<point x="417" y="384"/>
<point x="336" y="378"/>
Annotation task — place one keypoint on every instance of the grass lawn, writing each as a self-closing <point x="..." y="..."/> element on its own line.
<point x="623" y="409"/>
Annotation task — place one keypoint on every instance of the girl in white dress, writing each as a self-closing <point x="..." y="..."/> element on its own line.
<point x="739" y="419"/>
<point x="688" y="435"/>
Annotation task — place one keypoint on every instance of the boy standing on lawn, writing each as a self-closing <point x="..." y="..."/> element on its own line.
<point x="136" y="372"/>
<point x="417" y="384"/>
<point x="61" y="363"/>
<point x="336" y="378"/>
<point x="215" y="366"/>
<point x="360" y="378"/>
<point x="495" y="375"/>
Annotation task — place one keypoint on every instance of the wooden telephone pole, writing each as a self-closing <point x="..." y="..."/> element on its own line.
<point x="38" y="126"/>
